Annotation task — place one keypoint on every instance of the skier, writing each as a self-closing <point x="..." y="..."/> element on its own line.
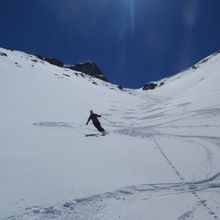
<point x="94" y="117"/>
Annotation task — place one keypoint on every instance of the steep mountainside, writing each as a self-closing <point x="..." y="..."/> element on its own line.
<point x="160" y="159"/>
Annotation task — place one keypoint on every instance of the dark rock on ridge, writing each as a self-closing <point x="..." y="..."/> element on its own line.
<point x="3" y="54"/>
<point x="90" y="69"/>
<point x="150" y="86"/>
<point x="52" y="60"/>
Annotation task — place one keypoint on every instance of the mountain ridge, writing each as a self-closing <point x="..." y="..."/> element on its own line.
<point x="91" y="69"/>
<point x="87" y="67"/>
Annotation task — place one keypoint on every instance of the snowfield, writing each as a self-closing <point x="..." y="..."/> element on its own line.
<point x="160" y="160"/>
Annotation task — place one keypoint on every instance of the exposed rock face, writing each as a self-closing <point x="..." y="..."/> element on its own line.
<point x="3" y="54"/>
<point x="161" y="84"/>
<point x="150" y="86"/>
<point x="120" y="87"/>
<point x="52" y="60"/>
<point x="89" y="68"/>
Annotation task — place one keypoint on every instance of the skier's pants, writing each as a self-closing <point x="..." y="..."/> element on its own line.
<point x="98" y="126"/>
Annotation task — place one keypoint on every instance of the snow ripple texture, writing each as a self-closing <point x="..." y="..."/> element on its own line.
<point x="96" y="206"/>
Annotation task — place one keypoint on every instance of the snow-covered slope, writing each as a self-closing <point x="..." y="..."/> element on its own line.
<point x="202" y="77"/>
<point x="159" y="161"/>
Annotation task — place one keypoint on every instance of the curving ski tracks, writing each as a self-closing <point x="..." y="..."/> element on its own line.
<point x="97" y="206"/>
<point x="194" y="193"/>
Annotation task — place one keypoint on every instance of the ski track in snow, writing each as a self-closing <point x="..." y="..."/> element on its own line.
<point x="97" y="206"/>
<point x="152" y="132"/>
<point x="194" y="193"/>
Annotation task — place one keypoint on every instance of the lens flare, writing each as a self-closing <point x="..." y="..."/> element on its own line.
<point x="131" y="14"/>
<point x="129" y="10"/>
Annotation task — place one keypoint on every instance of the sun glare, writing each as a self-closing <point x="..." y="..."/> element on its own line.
<point x="129" y="10"/>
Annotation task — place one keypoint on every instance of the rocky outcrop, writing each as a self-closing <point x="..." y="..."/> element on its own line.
<point x="150" y="86"/>
<point x="161" y="84"/>
<point x="3" y="54"/>
<point x="89" y="68"/>
<point x="52" y="60"/>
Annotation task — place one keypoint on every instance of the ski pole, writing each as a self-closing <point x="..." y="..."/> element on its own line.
<point x="108" y="120"/>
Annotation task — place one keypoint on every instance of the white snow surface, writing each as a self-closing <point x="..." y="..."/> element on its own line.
<point x="160" y="159"/>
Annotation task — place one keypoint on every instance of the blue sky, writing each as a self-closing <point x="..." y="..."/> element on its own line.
<point x="132" y="41"/>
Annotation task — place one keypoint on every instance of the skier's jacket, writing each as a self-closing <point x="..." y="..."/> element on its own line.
<point x="94" y="117"/>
